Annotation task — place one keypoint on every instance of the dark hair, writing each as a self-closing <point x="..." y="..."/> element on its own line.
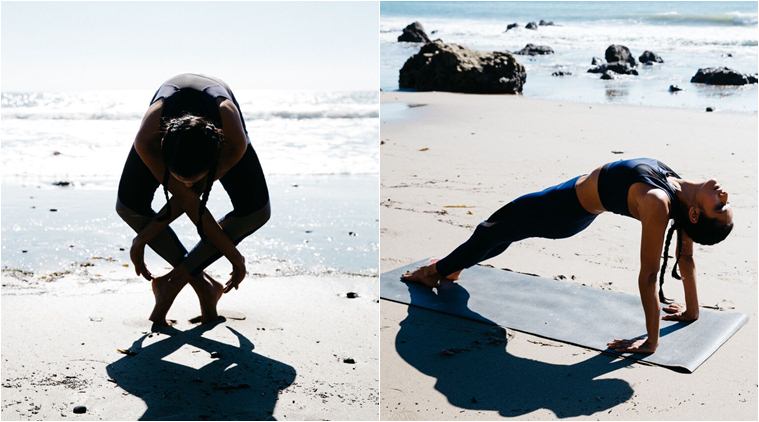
<point x="190" y="146"/>
<point x="705" y="231"/>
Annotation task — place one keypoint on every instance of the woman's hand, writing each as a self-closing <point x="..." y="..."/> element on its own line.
<point x="683" y="316"/>
<point x="673" y="308"/>
<point x="237" y="274"/>
<point x="632" y="346"/>
<point x="137" y="255"/>
<point x="178" y="274"/>
<point x="678" y="312"/>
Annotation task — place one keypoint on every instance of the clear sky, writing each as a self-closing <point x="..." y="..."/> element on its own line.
<point x="138" y="45"/>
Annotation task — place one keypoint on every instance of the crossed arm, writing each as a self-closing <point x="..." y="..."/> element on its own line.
<point x="184" y="200"/>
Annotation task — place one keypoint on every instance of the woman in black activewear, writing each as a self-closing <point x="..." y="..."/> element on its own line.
<point x="192" y="134"/>
<point x="642" y="188"/>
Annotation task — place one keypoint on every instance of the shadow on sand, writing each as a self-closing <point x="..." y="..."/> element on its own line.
<point x="238" y="385"/>
<point x="474" y="371"/>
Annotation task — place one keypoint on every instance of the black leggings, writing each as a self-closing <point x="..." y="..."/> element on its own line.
<point x="553" y="213"/>
<point x="245" y="184"/>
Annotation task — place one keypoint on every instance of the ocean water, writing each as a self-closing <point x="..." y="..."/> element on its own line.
<point x="318" y="149"/>
<point x="687" y="35"/>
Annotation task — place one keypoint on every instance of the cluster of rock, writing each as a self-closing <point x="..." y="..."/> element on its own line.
<point x="722" y="76"/>
<point x="450" y="67"/>
<point x="530" y="25"/>
<point x="439" y="66"/>
<point x="619" y="60"/>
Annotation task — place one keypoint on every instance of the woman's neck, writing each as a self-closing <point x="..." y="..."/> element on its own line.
<point x="686" y="190"/>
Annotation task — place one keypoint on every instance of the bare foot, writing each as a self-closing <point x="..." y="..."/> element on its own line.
<point x="426" y="276"/>
<point x="452" y="276"/>
<point x="164" y="294"/>
<point x="209" y="295"/>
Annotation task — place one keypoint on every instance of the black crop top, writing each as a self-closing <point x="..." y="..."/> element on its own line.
<point x="616" y="178"/>
<point x="194" y="94"/>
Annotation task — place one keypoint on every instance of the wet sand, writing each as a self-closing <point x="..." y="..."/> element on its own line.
<point x="451" y="160"/>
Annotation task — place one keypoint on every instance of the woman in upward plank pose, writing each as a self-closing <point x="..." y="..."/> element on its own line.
<point x="644" y="189"/>
<point x="192" y="134"/>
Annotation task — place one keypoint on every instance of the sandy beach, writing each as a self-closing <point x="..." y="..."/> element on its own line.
<point x="278" y="355"/>
<point x="450" y="160"/>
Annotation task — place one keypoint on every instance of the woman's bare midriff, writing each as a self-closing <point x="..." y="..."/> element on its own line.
<point x="586" y="188"/>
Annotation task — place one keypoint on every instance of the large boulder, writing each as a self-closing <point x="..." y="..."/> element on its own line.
<point x="511" y="26"/>
<point x="649" y="57"/>
<point x="531" y="25"/>
<point x="414" y="32"/>
<point x="545" y="23"/>
<point x="722" y="76"/>
<point x="534" y="50"/>
<point x="450" y="67"/>
<point x="619" y="53"/>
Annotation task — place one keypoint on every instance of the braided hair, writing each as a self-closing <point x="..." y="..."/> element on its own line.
<point x="191" y="145"/>
<point x="705" y="231"/>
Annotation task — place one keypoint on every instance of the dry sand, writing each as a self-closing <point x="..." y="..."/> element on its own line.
<point x="453" y="159"/>
<point x="289" y="358"/>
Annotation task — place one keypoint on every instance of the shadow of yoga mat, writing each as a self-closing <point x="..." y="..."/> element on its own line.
<point x="570" y="313"/>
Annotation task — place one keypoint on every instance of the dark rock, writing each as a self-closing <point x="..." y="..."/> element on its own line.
<point x="531" y="25"/>
<point x="450" y="67"/>
<point x="545" y="23"/>
<point x="674" y="88"/>
<point x="622" y="68"/>
<point x="534" y="50"/>
<point x="722" y="76"/>
<point x="709" y="109"/>
<point x="596" y="61"/>
<point x="349" y="361"/>
<point x="727" y="55"/>
<point x="215" y="355"/>
<point x="561" y="73"/>
<point x="607" y="75"/>
<point x="351" y="295"/>
<point x="619" y="53"/>
<point x="352" y="234"/>
<point x="62" y="183"/>
<point x="649" y="57"/>
<point x="511" y="26"/>
<point x="56" y="153"/>
<point x="53" y="209"/>
<point x="414" y="32"/>
<point x="80" y="409"/>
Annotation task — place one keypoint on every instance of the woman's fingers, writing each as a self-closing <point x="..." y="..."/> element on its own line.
<point x="672" y="308"/>
<point x="234" y="281"/>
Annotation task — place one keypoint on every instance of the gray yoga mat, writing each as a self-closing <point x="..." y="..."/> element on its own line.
<point x="566" y="312"/>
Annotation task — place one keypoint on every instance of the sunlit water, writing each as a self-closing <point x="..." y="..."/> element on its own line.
<point x="687" y="35"/>
<point x="319" y="152"/>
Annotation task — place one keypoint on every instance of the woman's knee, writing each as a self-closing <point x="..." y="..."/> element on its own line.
<point x="135" y="219"/>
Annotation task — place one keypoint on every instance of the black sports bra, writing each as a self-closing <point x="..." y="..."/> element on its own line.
<point x="616" y="178"/>
<point x="194" y="94"/>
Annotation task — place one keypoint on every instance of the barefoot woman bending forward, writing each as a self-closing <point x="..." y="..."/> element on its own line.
<point x="192" y="134"/>
<point x="644" y="189"/>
